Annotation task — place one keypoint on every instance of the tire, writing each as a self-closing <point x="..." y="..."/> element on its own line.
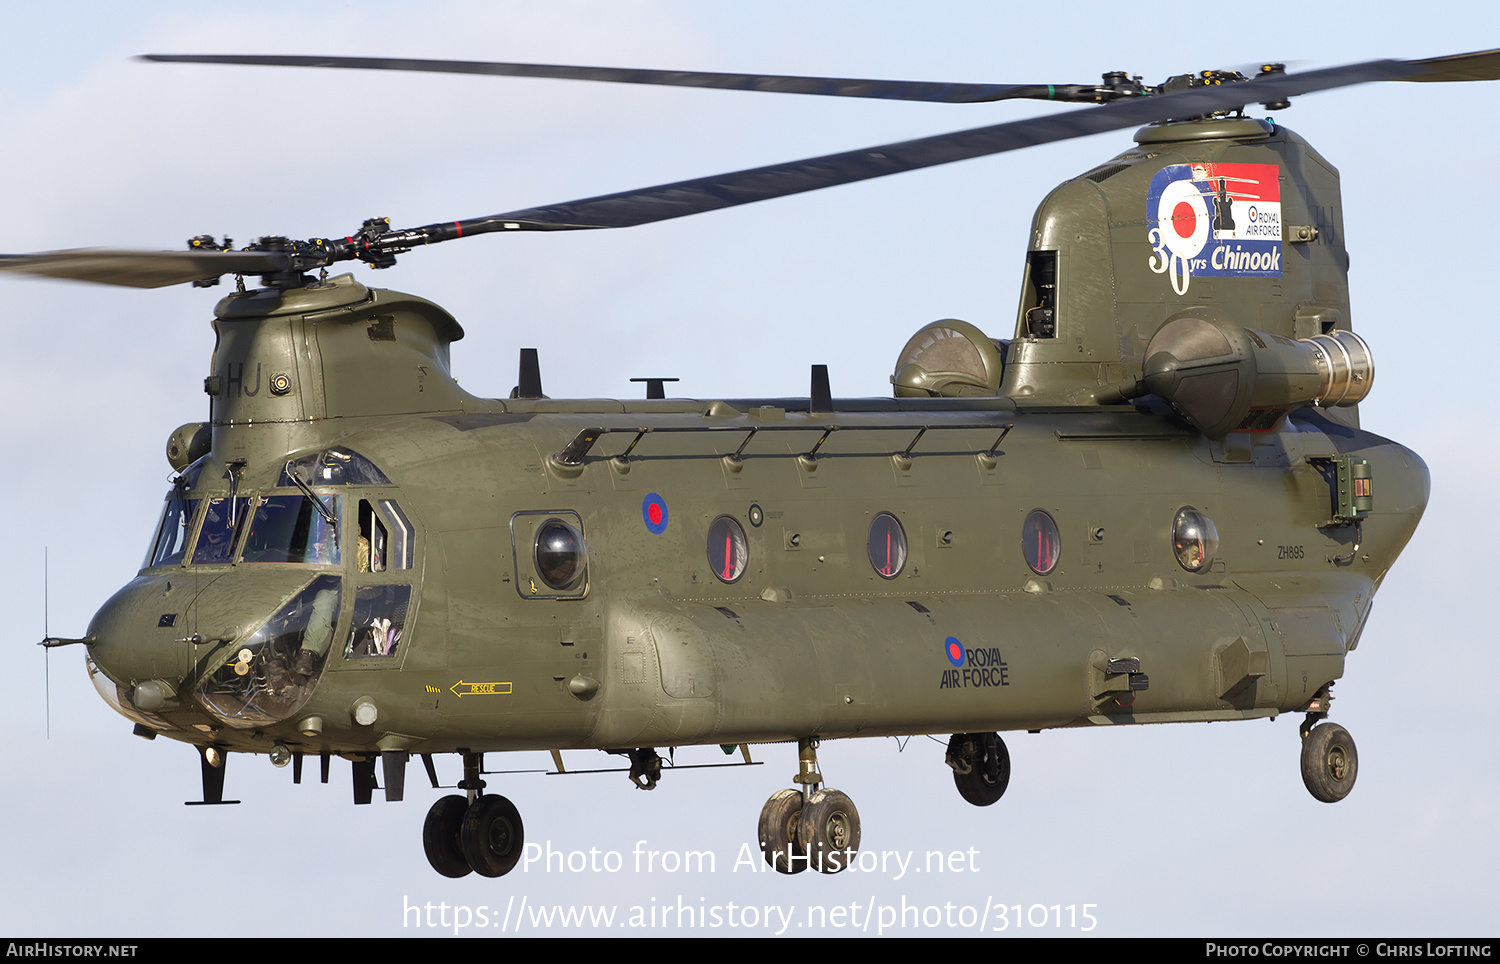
<point x="829" y="831"/>
<point x="989" y="771"/>
<point x="1330" y="762"/>
<point x="778" y="832"/>
<point x="441" y="837"/>
<point x="492" y="835"/>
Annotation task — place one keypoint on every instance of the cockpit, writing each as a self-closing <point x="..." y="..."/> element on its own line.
<point x="288" y="523"/>
<point x="287" y="580"/>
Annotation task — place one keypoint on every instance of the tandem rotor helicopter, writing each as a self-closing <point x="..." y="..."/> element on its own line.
<point x="1153" y="502"/>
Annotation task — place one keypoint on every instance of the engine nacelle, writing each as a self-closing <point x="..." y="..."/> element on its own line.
<point x="1224" y="378"/>
<point x="949" y="359"/>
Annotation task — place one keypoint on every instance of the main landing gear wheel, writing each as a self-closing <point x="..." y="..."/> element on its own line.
<point x="442" y="839"/>
<point x="981" y="766"/>
<point x="778" y="832"/>
<point x="829" y="830"/>
<point x="492" y="835"/>
<point x="1329" y="762"/>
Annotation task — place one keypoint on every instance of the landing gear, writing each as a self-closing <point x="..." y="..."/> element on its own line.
<point x="440" y="837"/>
<point x="492" y="835"/>
<point x="473" y="832"/>
<point x="1329" y="762"/>
<point x="829" y="830"/>
<point x="981" y="766"/>
<point x="809" y="827"/>
<point x="779" y="839"/>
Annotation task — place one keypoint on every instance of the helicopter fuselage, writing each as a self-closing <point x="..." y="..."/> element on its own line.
<point x="806" y="625"/>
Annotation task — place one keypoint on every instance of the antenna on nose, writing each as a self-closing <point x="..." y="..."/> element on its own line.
<point x="48" y="641"/>
<point x="46" y="650"/>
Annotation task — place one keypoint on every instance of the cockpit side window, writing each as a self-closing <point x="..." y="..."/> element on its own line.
<point x="402" y="536"/>
<point x="373" y="540"/>
<point x="172" y="532"/>
<point x="289" y="528"/>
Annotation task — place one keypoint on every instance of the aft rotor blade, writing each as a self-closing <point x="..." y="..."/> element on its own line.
<point x="142" y="269"/>
<point x="681" y="198"/>
<point x="822" y="86"/>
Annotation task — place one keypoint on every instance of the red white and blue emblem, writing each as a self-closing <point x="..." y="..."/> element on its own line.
<point x="1214" y="220"/>
<point x="654" y="511"/>
<point x="973" y="668"/>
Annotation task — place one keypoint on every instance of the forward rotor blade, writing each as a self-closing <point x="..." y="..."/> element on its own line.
<point x="1480" y="65"/>
<point x="665" y="201"/>
<point x="142" y="269"/>
<point x="822" y="86"/>
<point x="681" y="198"/>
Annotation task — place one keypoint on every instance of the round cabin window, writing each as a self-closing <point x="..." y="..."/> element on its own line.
<point x="1040" y="542"/>
<point x="559" y="555"/>
<point x="1195" y="539"/>
<point x="728" y="552"/>
<point x="887" y="545"/>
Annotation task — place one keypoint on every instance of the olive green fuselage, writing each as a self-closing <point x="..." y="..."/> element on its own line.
<point x="653" y="649"/>
<point x="461" y="644"/>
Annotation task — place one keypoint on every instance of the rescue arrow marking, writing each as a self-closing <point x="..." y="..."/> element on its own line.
<point x="479" y="689"/>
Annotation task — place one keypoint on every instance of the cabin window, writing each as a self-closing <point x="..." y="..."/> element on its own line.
<point x="559" y="555"/>
<point x="728" y="552"/>
<point x="887" y="545"/>
<point x="1040" y="543"/>
<point x="1195" y="539"/>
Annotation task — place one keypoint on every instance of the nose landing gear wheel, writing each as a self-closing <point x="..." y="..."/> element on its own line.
<point x="492" y="835"/>
<point x="829" y="831"/>
<point x="1329" y="762"/>
<point x="441" y="838"/>
<point x="778" y="832"/>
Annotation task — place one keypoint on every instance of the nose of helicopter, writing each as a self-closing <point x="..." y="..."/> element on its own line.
<point x="151" y="634"/>
<point x="141" y="632"/>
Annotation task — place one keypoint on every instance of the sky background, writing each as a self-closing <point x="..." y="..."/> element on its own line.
<point x="1201" y="829"/>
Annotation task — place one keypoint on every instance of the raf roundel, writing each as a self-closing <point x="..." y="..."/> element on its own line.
<point x="654" y="511"/>
<point x="954" y="650"/>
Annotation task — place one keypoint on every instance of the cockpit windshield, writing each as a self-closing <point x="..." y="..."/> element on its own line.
<point x="293" y="525"/>
<point x="221" y="522"/>
<point x="290" y="528"/>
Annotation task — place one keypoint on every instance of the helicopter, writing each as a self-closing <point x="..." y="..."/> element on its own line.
<point x="354" y="528"/>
